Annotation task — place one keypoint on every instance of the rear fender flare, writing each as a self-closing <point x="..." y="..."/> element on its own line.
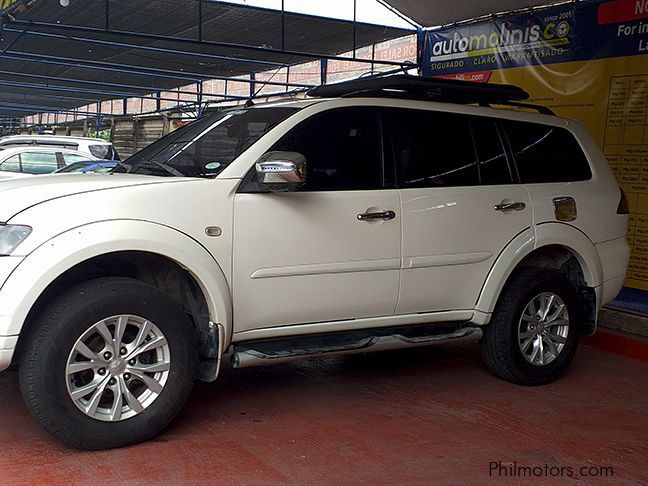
<point x="526" y="242"/>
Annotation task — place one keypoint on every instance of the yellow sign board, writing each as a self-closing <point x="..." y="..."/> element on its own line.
<point x="610" y="96"/>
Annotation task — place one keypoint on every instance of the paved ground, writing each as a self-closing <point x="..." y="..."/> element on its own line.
<point x="409" y="417"/>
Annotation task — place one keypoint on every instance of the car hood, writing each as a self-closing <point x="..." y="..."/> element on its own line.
<point x="17" y="195"/>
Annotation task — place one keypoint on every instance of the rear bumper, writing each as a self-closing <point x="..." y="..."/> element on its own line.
<point x="615" y="255"/>
<point x="609" y="290"/>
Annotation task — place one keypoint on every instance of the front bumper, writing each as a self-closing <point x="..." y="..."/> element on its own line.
<point x="7" y="343"/>
<point x="7" y="348"/>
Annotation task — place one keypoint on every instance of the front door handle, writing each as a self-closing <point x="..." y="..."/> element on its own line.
<point x="380" y="215"/>
<point x="510" y="206"/>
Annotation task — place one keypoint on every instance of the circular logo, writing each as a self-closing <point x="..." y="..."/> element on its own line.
<point x="562" y="29"/>
<point x="117" y="366"/>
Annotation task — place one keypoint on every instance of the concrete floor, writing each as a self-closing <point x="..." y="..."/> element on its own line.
<point x="409" y="417"/>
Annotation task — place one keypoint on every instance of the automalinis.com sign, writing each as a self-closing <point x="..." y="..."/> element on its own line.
<point x="569" y="32"/>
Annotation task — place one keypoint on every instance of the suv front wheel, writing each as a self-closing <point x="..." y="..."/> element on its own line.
<point x="533" y="334"/>
<point x="108" y="364"/>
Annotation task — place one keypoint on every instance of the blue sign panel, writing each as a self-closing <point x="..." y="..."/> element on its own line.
<point x="569" y="32"/>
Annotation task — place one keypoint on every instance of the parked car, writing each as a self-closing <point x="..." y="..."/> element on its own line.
<point x="24" y="161"/>
<point x="379" y="214"/>
<point x="86" y="166"/>
<point x="94" y="147"/>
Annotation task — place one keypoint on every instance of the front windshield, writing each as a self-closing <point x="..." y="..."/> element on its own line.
<point x="205" y="147"/>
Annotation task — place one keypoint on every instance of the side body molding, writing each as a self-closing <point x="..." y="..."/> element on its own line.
<point x="51" y="259"/>
<point x="522" y="245"/>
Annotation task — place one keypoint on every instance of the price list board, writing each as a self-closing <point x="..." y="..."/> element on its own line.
<point x="626" y="147"/>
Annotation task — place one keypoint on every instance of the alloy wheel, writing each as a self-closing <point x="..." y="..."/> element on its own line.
<point x="543" y="328"/>
<point x="118" y="368"/>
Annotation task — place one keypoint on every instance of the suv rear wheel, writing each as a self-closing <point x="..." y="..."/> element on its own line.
<point x="108" y="364"/>
<point x="533" y="334"/>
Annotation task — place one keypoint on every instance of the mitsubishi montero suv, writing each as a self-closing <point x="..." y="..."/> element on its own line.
<point x="376" y="214"/>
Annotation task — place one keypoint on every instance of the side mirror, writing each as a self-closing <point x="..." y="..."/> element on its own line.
<point x="281" y="171"/>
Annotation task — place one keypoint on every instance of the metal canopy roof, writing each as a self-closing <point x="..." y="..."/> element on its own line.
<point x="432" y="13"/>
<point x="58" y="58"/>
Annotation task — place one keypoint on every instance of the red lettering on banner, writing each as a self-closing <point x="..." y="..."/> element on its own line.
<point x="622" y="11"/>
<point x="475" y="76"/>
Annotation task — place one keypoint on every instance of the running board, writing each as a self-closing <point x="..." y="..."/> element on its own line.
<point x="265" y="352"/>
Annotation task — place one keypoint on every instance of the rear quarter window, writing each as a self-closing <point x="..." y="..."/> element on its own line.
<point x="545" y="153"/>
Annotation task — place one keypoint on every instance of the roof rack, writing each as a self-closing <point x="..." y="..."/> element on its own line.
<point x="429" y="89"/>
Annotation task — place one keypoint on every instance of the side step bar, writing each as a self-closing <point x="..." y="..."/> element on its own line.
<point x="280" y="351"/>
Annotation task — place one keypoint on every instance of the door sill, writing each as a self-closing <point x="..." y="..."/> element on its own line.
<point x="281" y="350"/>
<point x="353" y="324"/>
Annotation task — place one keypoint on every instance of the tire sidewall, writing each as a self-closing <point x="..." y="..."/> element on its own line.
<point x="80" y="310"/>
<point x="565" y="291"/>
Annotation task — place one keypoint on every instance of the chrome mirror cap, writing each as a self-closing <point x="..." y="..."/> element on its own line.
<point x="281" y="171"/>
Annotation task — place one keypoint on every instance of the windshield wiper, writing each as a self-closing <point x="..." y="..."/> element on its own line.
<point x="148" y="163"/>
<point x="121" y="165"/>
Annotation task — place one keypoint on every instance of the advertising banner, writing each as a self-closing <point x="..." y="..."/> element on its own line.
<point x="585" y="60"/>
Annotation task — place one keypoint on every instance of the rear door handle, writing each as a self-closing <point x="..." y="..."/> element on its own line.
<point x="380" y="215"/>
<point x="510" y="206"/>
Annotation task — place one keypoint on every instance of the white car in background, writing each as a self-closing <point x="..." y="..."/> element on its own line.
<point x="95" y="147"/>
<point x="26" y="161"/>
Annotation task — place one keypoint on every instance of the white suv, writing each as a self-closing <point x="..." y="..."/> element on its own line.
<point x="94" y="147"/>
<point x="366" y="218"/>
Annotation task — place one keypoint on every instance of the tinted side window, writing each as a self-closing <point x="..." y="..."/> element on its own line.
<point x="433" y="149"/>
<point x="493" y="164"/>
<point x="39" y="163"/>
<point x="545" y="153"/>
<point x="71" y="158"/>
<point x="12" y="164"/>
<point x="342" y="149"/>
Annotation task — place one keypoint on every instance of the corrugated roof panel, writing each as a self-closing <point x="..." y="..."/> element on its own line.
<point x="175" y="50"/>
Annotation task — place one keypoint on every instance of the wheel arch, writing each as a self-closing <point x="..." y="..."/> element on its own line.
<point x="158" y="255"/>
<point x="550" y="245"/>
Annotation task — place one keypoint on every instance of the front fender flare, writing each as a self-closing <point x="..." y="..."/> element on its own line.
<point x="62" y="252"/>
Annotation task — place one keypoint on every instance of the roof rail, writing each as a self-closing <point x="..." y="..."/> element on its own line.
<point x="531" y="106"/>
<point x="428" y="89"/>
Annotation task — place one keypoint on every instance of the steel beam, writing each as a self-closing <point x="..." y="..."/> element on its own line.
<point x="13" y="42"/>
<point x="157" y="50"/>
<point x="396" y="12"/>
<point x="113" y="85"/>
<point x="46" y="109"/>
<point x="128" y="69"/>
<point x="227" y="45"/>
<point x="22" y="108"/>
<point x="99" y="94"/>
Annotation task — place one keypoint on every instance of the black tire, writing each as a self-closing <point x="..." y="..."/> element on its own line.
<point x="45" y="353"/>
<point x="499" y="346"/>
